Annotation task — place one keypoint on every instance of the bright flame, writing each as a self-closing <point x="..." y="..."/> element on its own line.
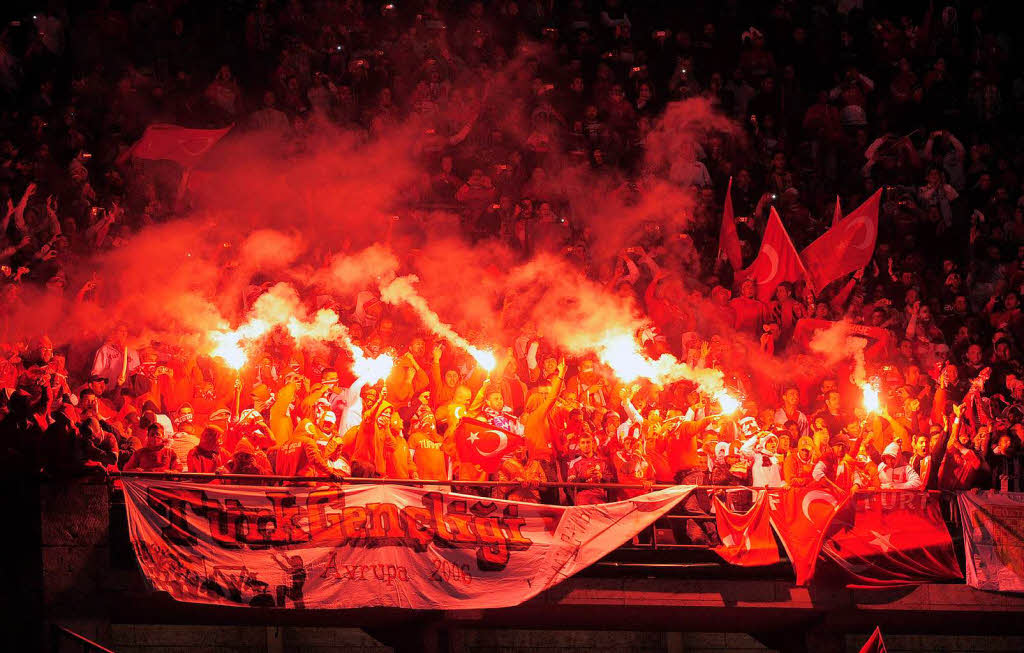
<point x="622" y="354"/>
<point x="372" y="370"/>
<point x="228" y="348"/>
<point x="229" y="345"/>
<point x="484" y="358"/>
<point x="870" y="398"/>
<point x="728" y="403"/>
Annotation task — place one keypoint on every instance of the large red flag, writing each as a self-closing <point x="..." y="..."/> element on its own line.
<point x="728" y="239"/>
<point x="747" y="539"/>
<point x="801" y="517"/>
<point x="892" y="539"/>
<point x="180" y="144"/>
<point x="846" y="247"/>
<point x="875" y="644"/>
<point x="486" y="443"/>
<point x="776" y="262"/>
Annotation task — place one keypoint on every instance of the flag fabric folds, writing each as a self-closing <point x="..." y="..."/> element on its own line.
<point x="728" y="238"/>
<point x="994" y="540"/>
<point x="875" y="643"/>
<point x="340" y="547"/>
<point x="892" y="539"/>
<point x="776" y="262"/>
<point x="801" y="517"/>
<point x="747" y="539"/>
<point x="486" y="443"/>
<point x="173" y="143"/>
<point x="846" y="247"/>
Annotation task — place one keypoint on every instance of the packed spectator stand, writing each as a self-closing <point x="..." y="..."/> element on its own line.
<point x="822" y="100"/>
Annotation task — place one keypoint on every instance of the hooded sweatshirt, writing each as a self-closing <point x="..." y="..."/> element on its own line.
<point x="765" y="468"/>
<point x="795" y="471"/>
<point x="899" y="477"/>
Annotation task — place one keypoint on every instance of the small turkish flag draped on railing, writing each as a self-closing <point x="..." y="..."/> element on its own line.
<point x="875" y="644"/>
<point x="777" y="261"/>
<point x="728" y="238"/>
<point x="801" y="517"/>
<point x="485" y="443"/>
<point x="173" y="143"/>
<point x="747" y="539"/>
<point x="892" y="539"/>
<point x="846" y="247"/>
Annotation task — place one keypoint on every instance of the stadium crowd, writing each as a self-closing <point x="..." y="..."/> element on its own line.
<point x="831" y="99"/>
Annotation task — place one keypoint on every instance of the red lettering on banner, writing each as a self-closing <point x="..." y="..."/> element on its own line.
<point x="319" y="522"/>
<point x="459" y="523"/>
<point x="234" y="525"/>
<point x="420" y="526"/>
<point x="513" y="524"/>
<point x="353" y="525"/>
<point x="286" y="520"/>
<point x="339" y="548"/>
<point x="170" y="504"/>
<point x="386" y="526"/>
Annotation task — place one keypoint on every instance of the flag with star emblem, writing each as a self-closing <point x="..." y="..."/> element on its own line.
<point x="179" y="144"/>
<point x="747" y="539"/>
<point x="487" y="443"/>
<point x="891" y="539"/>
<point x="801" y="517"/>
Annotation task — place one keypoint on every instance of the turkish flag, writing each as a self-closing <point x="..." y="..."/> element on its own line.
<point x="728" y="239"/>
<point x="776" y="262"/>
<point x="485" y="443"/>
<point x="878" y="341"/>
<point x="892" y="539"/>
<point x="747" y="539"/>
<point x="801" y="517"/>
<point x="179" y="144"/>
<point x="846" y="247"/>
<point x="875" y="643"/>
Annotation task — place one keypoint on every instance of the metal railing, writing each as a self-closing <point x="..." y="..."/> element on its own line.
<point x="669" y="533"/>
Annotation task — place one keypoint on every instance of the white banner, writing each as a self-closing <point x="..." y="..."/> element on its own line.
<point x="994" y="540"/>
<point x="354" y="546"/>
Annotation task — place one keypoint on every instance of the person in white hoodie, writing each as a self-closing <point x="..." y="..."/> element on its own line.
<point x="894" y="473"/>
<point x="761" y="450"/>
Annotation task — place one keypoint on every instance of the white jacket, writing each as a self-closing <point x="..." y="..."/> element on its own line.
<point x="899" y="478"/>
<point x="765" y="469"/>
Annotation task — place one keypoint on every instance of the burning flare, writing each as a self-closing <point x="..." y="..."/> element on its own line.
<point x="727" y="402"/>
<point x="621" y="352"/>
<point x="278" y="307"/>
<point x="871" y="403"/>
<point x="484" y="358"/>
<point x="229" y="344"/>
<point x="372" y="370"/>
<point x="401" y="290"/>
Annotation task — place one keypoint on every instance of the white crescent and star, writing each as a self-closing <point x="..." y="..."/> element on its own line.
<point x="883" y="542"/>
<point x="472" y="439"/>
<point x="773" y="258"/>
<point x="729" y="541"/>
<point x="816" y="495"/>
<point x="869" y="231"/>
